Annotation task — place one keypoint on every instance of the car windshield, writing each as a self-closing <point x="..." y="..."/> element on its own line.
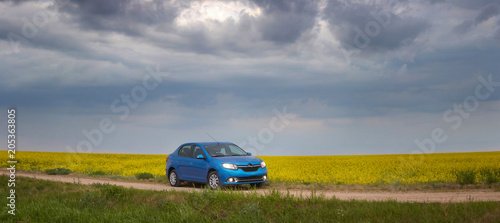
<point x="224" y="150"/>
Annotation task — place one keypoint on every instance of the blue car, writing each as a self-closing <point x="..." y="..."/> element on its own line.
<point x="216" y="164"/>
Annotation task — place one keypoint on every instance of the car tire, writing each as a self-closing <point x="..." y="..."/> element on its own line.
<point x="257" y="185"/>
<point x="173" y="178"/>
<point x="213" y="180"/>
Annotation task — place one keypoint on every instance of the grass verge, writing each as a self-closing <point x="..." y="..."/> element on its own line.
<point x="47" y="201"/>
<point x="145" y="175"/>
<point x="58" y="171"/>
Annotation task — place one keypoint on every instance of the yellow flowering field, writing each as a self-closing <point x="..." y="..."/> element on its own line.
<point x="381" y="169"/>
<point x="86" y="163"/>
<point x="359" y="169"/>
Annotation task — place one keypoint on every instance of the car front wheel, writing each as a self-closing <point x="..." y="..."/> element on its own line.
<point x="214" y="180"/>
<point x="173" y="178"/>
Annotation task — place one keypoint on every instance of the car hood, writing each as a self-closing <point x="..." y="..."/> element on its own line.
<point x="239" y="160"/>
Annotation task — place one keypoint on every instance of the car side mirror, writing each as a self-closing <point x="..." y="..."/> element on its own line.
<point x="200" y="157"/>
<point x="249" y="154"/>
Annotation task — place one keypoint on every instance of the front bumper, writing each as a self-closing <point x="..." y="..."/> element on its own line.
<point x="241" y="177"/>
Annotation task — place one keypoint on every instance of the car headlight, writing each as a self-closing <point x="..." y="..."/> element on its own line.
<point x="230" y="166"/>
<point x="263" y="164"/>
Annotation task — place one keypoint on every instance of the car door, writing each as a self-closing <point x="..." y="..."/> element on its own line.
<point x="183" y="168"/>
<point x="198" y="167"/>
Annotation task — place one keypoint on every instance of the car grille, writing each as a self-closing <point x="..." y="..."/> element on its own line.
<point x="250" y="179"/>
<point x="249" y="168"/>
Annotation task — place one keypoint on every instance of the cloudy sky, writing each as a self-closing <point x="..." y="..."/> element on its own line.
<point x="299" y="77"/>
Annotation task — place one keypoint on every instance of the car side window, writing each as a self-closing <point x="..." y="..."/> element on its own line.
<point x="185" y="151"/>
<point x="197" y="151"/>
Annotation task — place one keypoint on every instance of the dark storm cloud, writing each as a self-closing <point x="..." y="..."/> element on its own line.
<point x="16" y="1"/>
<point x="281" y="23"/>
<point x="285" y="21"/>
<point x="436" y="1"/>
<point x="497" y="33"/>
<point x="130" y="17"/>
<point x="371" y="26"/>
<point x="473" y="5"/>
<point x="464" y="27"/>
<point x="485" y="13"/>
<point x="11" y="32"/>
<point x="67" y="44"/>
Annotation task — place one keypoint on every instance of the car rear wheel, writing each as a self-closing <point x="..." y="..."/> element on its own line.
<point x="173" y="178"/>
<point x="214" y="180"/>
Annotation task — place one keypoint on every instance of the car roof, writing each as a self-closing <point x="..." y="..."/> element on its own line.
<point x="209" y="143"/>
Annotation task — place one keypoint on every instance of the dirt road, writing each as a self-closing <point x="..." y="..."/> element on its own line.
<point x="413" y="196"/>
